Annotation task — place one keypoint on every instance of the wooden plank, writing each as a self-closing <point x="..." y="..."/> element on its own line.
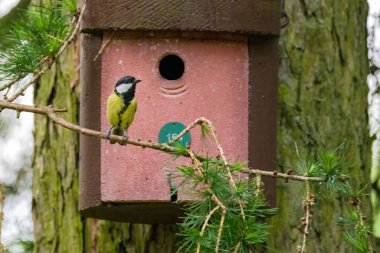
<point x="89" y="162"/>
<point x="233" y="16"/>
<point x="263" y="83"/>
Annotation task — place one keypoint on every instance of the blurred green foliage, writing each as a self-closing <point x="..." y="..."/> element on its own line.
<point x="6" y="21"/>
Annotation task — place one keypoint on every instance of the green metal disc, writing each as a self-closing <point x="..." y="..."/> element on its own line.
<point x="170" y="130"/>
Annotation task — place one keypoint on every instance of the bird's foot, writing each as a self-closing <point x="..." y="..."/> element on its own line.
<point x="108" y="134"/>
<point x="125" y="139"/>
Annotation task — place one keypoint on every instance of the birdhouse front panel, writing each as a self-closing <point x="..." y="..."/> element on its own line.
<point x="182" y="79"/>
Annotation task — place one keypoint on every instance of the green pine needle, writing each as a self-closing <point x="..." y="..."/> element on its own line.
<point x="357" y="232"/>
<point x="329" y="165"/>
<point x="246" y="232"/>
<point x="70" y="5"/>
<point x="34" y="37"/>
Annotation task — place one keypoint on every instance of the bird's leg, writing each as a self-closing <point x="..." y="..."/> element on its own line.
<point x="125" y="138"/>
<point x="108" y="133"/>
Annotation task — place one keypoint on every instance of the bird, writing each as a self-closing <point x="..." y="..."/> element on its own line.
<point x="121" y="107"/>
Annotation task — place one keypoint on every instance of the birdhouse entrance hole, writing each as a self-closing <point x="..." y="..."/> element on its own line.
<point x="171" y="67"/>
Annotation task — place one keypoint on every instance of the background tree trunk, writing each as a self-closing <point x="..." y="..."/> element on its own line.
<point x="323" y="102"/>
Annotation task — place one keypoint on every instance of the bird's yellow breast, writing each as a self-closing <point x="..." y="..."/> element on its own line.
<point x="120" y="115"/>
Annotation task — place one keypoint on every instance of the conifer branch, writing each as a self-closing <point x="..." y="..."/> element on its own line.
<point x="201" y="121"/>
<point x="217" y="201"/>
<point x="48" y="61"/>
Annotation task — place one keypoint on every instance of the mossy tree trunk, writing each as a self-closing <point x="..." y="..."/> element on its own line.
<point x="323" y="102"/>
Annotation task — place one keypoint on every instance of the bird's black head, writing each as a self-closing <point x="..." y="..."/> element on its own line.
<point x="126" y="85"/>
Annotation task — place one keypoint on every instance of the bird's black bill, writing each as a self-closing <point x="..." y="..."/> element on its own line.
<point x="137" y="81"/>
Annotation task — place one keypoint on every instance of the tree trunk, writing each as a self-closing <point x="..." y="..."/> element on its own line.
<point x="323" y="103"/>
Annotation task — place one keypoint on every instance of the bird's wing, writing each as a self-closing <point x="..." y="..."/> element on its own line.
<point x="115" y="105"/>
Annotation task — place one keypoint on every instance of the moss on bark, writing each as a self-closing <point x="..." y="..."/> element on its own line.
<point x="323" y="103"/>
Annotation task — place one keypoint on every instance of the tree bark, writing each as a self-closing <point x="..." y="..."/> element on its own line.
<point x="322" y="104"/>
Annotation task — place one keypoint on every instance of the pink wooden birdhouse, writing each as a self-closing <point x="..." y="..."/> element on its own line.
<point x="212" y="59"/>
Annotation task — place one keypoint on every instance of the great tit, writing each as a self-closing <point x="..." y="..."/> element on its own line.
<point x="121" y="107"/>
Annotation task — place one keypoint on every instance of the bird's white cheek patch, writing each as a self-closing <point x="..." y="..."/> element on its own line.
<point x="122" y="88"/>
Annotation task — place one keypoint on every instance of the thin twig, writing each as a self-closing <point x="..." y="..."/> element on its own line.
<point x="6" y="93"/>
<point x="220" y="231"/>
<point x="10" y="83"/>
<point x="237" y="247"/>
<point x="199" y="121"/>
<point x="224" y="159"/>
<point x="259" y="185"/>
<point x="205" y="225"/>
<point x="105" y="44"/>
<point x="282" y="175"/>
<point x="214" y="137"/>
<point x="217" y="201"/>
<point x="362" y="223"/>
<point x="21" y="91"/>
<point x="308" y="203"/>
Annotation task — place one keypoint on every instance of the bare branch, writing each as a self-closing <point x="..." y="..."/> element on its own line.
<point x="51" y="113"/>
<point x="282" y="175"/>
<point x="205" y="225"/>
<point x="220" y="231"/>
<point x="105" y="44"/>
<point x="307" y="205"/>
<point x="9" y="84"/>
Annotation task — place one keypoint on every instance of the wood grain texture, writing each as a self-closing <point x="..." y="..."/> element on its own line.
<point x="243" y="16"/>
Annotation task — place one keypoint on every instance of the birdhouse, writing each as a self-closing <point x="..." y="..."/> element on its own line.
<point x="215" y="59"/>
